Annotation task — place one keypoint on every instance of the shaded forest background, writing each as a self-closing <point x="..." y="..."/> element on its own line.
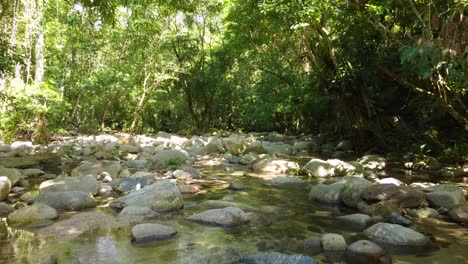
<point x="388" y="74"/>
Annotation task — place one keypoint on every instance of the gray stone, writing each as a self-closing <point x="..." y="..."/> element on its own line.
<point x="333" y="242"/>
<point x="327" y="193"/>
<point x="5" y="209"/>
<point x="366" y="252"/>
<point x="396" y="235"/>
<point x="189" y="189"/>
<point x="228" y="217"/>
<point x="318" y="168"/>
<point x="286" y="180"/>
<point x="67" y="200"/>
<point x="129" y="148"/>
<point x="135" y="211"/>
<point x="127" y="184"/>
<point x="373" y="162"/>
<point x="445" y="196"/>
<point x="224" y="204"/>
<point x="277" y="258"/>
<point x="78" y="224"/>
<point x="351" y="194"/>
<point x="33" y="172"/>
<point x="237" y="186"/>
<point x="274" y="165"/>
<point x="423" y="213"/>
<point x="159" y="196"/>
<point x="379" y="192"/>
<point x="312" y="245"/>
<point x="169" y="158"/>
<point x="214" y="146"/>
<point x="408" y="197"/>
<point x="5" y="187"/>
<point x="87" y="184"/>
<point x="30" y="214"/>
<point x="359" y="221"/>
<point x="274" y="148"/>
<point x="236" y="145"/>
<point x="255" y="147"/>
<point x="342" y="168"/>
<point x="459" y="214"/>
<point x="14" y="175"/>
<point x="98" y="167"/>
<point x="137" y="164"/>
<point x="151" y="232"/>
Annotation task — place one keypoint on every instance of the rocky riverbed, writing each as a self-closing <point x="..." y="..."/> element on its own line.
<point x="245" y="198"/>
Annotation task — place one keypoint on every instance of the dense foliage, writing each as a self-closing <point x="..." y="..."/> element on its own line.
<point x="378" y="72"/>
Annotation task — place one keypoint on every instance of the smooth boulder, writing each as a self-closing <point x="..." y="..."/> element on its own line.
<point x="366" y="252"/>
<point x="97" y="168"/>
<point x="277" y="258"/>
<point x="318" y="168"/>
<point x="445" y="196"/>
<point x="326" y="193"/>
<point x="459" y="214"/>
<point x="151" y="232"/>
<point x="227" y="217"/>
<point x="30" y="214"/>
<point x="67" y="200"/>
<point x="396" y="235"/>
<point x="87" y="184"/>
<point x="159" y="196"/>
<point x="351" y="194"/>
<point x="5" y="187"/>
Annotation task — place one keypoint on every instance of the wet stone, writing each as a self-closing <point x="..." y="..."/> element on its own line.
<point x="151" y="232"/>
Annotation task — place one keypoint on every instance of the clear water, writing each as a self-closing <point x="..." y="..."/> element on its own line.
<point x="285" y="217"/>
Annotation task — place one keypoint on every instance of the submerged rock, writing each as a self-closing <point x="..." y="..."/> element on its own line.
<point x="312" y="245"/>
<point x="459" y="214"/>
<point x="78" y="224"/>
<point x="379" y="192"/>
<point x="136" y="211"/>
<point x="286" y="180"/>
<point x="30" y="214"/>
<point x="224" y="204"/>
<point x="366" y="252"/>
<point x="151" y="232"/>
<point x="159" y="196"/>
<point x="227" y="217"/>
<point x="396" y="235"/>
<point x="359" y="221"/>
<point x="277" y="258"/>
<point x="67" y="200"/>
<point x="326" y="193"/>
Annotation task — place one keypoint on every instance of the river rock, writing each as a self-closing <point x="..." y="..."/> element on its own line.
<point x="234" y="144"/>
<point x="237" y="186"/>
<point x="127" y="184"/>
<point x="135" y="211"/>
<point x="14" y="175"/>
<point x="318" y="168"/>
<point x="373" y="162"/>
<point x="275" y="148"/>
<point x="98" y="167"/>
<point x="342" y="168"/>
<point x="129" y="148"/>
<point x="274" y="165"/>
<point x="171" y="157"/>
<point x="224" y="204"/>
<point x="33" y="172"/>
<point x="366" y="252"/>
<point x="78" y="224"/>
<point x="139" y="164"/>
<point x="383" y="209"/>
<point x="396" y="235"/>
<point x="30" y="214"/>
<point x="327" y="193"/>
<point x="228" y="217"/>
<point x="312" y="245"/>
<point x="255" y="147"/>
<point x="67" y="200"/>
<point x="5" y="187"/>
<point x="351" y="194"/>
<point x="333" y="242"/>
<point x="215" y="145"/>
<point x="189" y="189"/>
<point x="159" y="196"/>
<point x="359" y="221"/>
<point x="408" y="197"/>
<point x="286" y="181"/>
<point x="459" y="214"/>
<point x="379" y="192"/>
<point x="5" y="209"/>
<point x="423" y="213"/>
<point x="277" y="258"/>
<point x="445" y="196"/>
<point x="151" y="232"/>
<point x="87" y="184"/>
